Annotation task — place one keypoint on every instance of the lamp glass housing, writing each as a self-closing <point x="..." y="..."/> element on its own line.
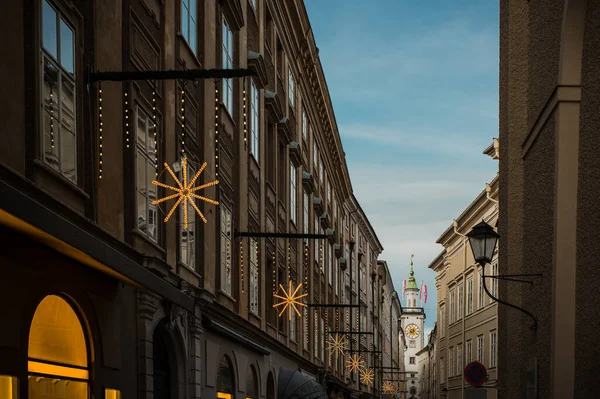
<point x="483" y="239"/>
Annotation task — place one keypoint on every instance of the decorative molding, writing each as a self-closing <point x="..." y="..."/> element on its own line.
<point x="256" y="62"/>
<point x="318" y="206"/>
<point x="234" y="13"/>
<point x="308" y="182"/>
<point x="295" y="152"/>
<point x="273" y="105"/>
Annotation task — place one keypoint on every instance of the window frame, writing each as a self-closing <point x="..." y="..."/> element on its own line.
<point x="55" y="116"/>
<point x="459" y="359"/>
<point x="480" y="296"/>
<point x="255" y="121"/>
<point x="304" y="125"/>
<point x="469" y="295"/>
<point x="227" y="58"/>
<point x="452" y="305"/>
<point x="493" y="348"/>
<point x="188" y="36"/>
<point x="481" y="349"/>
<point x="191" y="227"/>
<point x="149" y="169"/>
<point x="293" y="193"/>
<point x="291" y="89"/>
<point x="461" y="300"/>
<point x="254" y="272"/>
<point x="226" y="283"/>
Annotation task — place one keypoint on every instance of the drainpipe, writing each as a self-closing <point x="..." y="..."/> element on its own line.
<point x="488" y="191"/>
<point x="464" y="314"/>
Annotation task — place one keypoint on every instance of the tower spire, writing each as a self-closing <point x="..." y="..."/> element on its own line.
<point x="412" y="283"/>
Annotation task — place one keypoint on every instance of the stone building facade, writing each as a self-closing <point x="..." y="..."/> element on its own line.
<point x="549" y="219"/>
<point x="106" y="298"/>
<point x="467" y="323"/>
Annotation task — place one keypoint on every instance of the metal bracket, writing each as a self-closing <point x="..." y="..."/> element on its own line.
<point x="187" y="74"/>
<point x="509" y="278"/>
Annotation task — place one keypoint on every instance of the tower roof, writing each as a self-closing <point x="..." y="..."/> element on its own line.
<point x="412" y="283"/>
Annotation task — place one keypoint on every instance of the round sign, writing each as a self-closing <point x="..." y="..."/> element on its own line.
<point x="475" y="373"/>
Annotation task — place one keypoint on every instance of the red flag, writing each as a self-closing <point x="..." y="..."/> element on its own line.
<point x="424" y="294"/>
<point x="403" y="287"/>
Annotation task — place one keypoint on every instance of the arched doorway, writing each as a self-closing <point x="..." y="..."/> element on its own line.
<point x="270" y="386"/>
<point x="251" y="383"/>
<point x="225" y="379"/>
<point x="58" y="352"/>
<point x="164" y="366"/>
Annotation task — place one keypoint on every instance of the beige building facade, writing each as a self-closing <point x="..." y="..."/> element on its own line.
<point x="467" y="323"/>
<point x="549" y="190"/>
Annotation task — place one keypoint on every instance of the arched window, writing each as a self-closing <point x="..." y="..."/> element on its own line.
<point x="58" y="356"/>
<point x="251" y="383"/>
<point x="270" y="386"/>
<point x="225" y="379"/>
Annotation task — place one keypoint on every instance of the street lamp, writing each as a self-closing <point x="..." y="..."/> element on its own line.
<point x="483" y="239"/>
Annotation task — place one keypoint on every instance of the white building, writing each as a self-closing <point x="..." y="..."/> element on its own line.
<point x="413" y="324"/>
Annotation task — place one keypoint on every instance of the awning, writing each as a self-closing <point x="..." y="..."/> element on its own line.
<point x="28" y="216"/>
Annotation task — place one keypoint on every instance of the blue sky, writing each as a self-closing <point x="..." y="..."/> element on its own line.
<point x="414" y="86"/>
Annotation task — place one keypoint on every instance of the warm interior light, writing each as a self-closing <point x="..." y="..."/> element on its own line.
<point x="59" y="371"/>
<point x="223" y="395"/>
<point x="8" y="387"/>
<point x="110" y="393"/>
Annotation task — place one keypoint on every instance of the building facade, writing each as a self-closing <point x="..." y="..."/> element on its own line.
<point x="109" y="299"/>
<point x="549" y="173"/>
<point x="467" y="324"/>
<point x="413" y="325"/>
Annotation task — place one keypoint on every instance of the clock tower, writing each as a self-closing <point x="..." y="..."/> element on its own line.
<point x="413" y="325"/>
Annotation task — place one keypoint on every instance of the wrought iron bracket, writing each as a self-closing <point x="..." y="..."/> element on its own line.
<point x="352" y="332"/>
<point x="510" y="277"/>
<point x="330" y="305"/>
<point x="500" y="301"/>
<point x="258" y="234"/>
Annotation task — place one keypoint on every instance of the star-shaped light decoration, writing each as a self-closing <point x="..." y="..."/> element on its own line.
<point x="388" y="387"/>
<point x="354" y="363"/>
<point x="367" y="376"/>
<point x="336" y="343"/>
<point x="290" y="300"/>
<point x="185" y="192"/>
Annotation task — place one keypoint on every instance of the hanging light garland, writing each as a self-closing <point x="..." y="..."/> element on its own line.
<point x="100" y="127"/>
<point x="289" y="261"/>
<point x="126" y="111"/>
<point x="354" y="363"/>
<point x="321" y="257"/>
<point x="155" y="123"/>
<point x="183" y="118"/>
<point x="217" y="130"/>
<point x="290" y="300"/>
<point x="367" y="376"/>
<point x="256" y="270"/>
<point x="242" y="263"/>
<point x="52" y="118"/>
<point x="274" y="271"/>
<point x="245" y="113"/>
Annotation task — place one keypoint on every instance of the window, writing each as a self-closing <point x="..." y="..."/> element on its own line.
<point x="321" y="170"/>
<point x="451" y="369"/>
<point x="469" y="295"/>
<point x="305" y="207"/>
<point x="412" y="360"/>
<point x="227" y="61"/>
<point x="442" y="319"/>
<point x="315" y="243"/>
<point x="480" y="350"/>
<point x="412" y="343"/>
<point x="469" y="354"/>
<point x="480" y="302"/>
<point x="59" y="104"/>
<point x="459" y="359"/>
<point x="322" y="335"/>
<point x="315" y="155"/>
<point x="226" y="238"/>
<point x="188" y="22"/>
<point x="253" y="272"/>
<point x="305" y="323"/>
<point x="293" y="323"/>
<point x="452" y="306"/>
<point x="145" y="173"/>
<point x="495" y="280"/>
<point x="330" y="264"/>
<point x="316" y="336"/>
<point x="187" y="242"/>
<point x="304" y="125"/>
<point x="461" y="300"/>
<point x="291" y="92"/>
<point x="254" y="4"/>
<point x="493" y="348"/>
<point x="293" y="193"/>
<point x="328" y="192"/>
<point x="442" y="369"/>
<point x="254" y="122"/>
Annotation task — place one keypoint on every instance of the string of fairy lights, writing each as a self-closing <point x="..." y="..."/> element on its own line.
<point x="183" y="121"/>
<point x="155" y="128"/>
<point x="242" y="264"/>
<point x="244" y="111"/>
<point x="216" y="128"/>
<point x="100" y="130"/>
<point x="126" y="116"/>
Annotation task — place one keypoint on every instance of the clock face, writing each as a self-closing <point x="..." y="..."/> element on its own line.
<point x="412" y="331"/>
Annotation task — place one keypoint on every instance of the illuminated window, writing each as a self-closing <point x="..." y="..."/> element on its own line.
<point x="112" y="393"/>
<point x="9" y="388"/>
<point x="58" y="361"/>
<point x="59" y="100"/>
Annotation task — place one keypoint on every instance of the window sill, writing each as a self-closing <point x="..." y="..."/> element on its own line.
<point x="189" y="269"/>
<point x="188" y="48"/>
<point x="149" y="240"/>
<point x="254" y="315"/>
<point x="226" y="295"/>
<point x="63" y="180"/>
